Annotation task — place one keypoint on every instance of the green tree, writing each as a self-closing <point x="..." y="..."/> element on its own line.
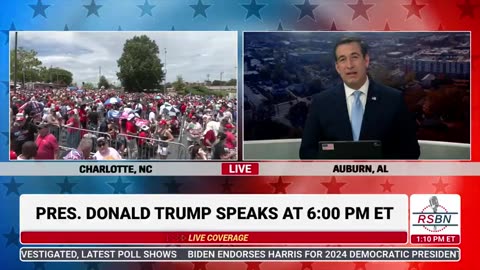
<point x="140" y="66"/>
<point x="88" y="85"/>
<point x="218" y="83"/>
<point x="56" y="75"/>
<point x="232" y="82"/>
<point x="103" y="82"/>
<point x="180" y="85"/>
<point x="28" y="65"/>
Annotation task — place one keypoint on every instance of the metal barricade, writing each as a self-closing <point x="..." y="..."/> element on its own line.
<point x="129" y="146"/>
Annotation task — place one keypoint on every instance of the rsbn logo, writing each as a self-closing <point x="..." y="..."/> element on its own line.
<point x="434" y="217"/>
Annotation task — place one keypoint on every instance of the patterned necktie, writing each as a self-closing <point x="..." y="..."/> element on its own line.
<point x="357" y="115"/>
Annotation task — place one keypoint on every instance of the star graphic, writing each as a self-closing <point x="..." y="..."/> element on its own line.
<point x="12" y="187"/>
<point x="92" y="265"/>
<point x="360" y="9"/>
<point x="173" y="186"/>
<point x="92" y="8"/>
<point x="467" y="9"/>
<point x="440" y="27"/>
<point x="66" y="187"/>
<point x="38" y="266"/>
<point x="440" y="186"/>
<point x="12" y="238"/>
<point x="253" y="265"/>
<point x="333" y="187"/>
<point x="280" y="186"/>
<point x="306" y="10"/>
<point x="387" y="187"/>
<point x="39" y="9"/>
<point x="7" y="32"/>
<point x="5" y="134"/>
<point x="146" y="8"/>
<point x="280" y="26"/>
<point x="333" y="27"/>
<point x="253" y="9"/>
<point x="119" y="186"/>
<point x="226" y="28"/>
<point x="146" y="266"/>
<point x="66" y="28"/>
<point x="173" y="28"/>
<point x="414" y="266"/>
<point x="414" y="9"/>
<point x="387" y="27"/>
<point x="307" y="265"/>
<point x="360" y="266"/>
<point x="119" y="28"/>
<point x="227" y="186"/>
<point x="200" y="265"/>
<point x="200" y="9"/>
<point x="6" y="86"/>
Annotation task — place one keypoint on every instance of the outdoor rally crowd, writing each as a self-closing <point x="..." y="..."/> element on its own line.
<point x="104" y="124"/>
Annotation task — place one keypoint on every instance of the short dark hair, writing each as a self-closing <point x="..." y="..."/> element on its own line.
<point x="347" y="40"/>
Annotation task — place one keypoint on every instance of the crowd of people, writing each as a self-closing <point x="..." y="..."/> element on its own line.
<point x="107" y="124"/>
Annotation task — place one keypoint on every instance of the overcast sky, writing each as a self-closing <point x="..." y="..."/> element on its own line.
<point x="190" y="54"/>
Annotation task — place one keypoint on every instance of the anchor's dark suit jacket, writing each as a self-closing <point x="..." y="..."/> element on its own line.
<point x="385" y="118"/>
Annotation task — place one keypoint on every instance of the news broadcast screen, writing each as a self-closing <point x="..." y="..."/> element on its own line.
<point x="251" y="134"/>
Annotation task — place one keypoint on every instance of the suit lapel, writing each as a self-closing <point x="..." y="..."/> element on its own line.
<point x="372" y="111"/>
<point x="345" y="127"/>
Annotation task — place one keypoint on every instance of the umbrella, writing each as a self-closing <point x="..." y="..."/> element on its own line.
<point x="173" y="111"/>
<point x="124" y="115"/>
<point x="32" y="106"/>
<point x="113" y="100"/>
<point x="113" y="114"/>
<point x="167" y="108"/>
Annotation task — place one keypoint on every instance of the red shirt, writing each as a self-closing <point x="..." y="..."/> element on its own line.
<point x="230" y="140"/>
<point x="47" y="146"/>
<point x="142" y="134"/>
<point x="83" y="115"/>
<point x="130" y="127"/>
<point x="75" y="125"/>
<point x="210" y="136"/>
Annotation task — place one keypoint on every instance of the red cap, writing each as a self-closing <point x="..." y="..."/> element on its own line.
<point x="13" y="155"/>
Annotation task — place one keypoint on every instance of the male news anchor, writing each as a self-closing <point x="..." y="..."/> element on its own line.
<point x="359" y="109"/>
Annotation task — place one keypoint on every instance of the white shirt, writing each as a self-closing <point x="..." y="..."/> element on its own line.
<point x="351" y="97"/>
<point x="151" y="117"/>
<point x="112" y="154"/>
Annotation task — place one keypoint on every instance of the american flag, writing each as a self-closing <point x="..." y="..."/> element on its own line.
<point x="328" y="146"/>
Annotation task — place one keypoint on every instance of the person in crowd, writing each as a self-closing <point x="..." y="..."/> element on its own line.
<point x="23" y="130"/>
<point x="54" y="121"/>
<point x="194" y="131"/>
<point x="82" y="152"/>
<point x="46" y="142"/>
<point x="131" y="130"/>
<point x="105" y="152"/>
<point x="29" y="151"/>
<point x="93" y="119"/>
<point x="164" y="134"/>
<point x="73" y="132"/>
<point x="198" y="152"/>
<point x="219" y="150"/>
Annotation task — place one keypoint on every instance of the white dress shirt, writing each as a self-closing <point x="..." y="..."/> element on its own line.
<point x="350" y="97"/>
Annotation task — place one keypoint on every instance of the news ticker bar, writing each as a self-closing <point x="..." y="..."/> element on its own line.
<point x="28" y="254"/>
<point x="267" y="168"/>
<point x="214" y="219"/>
